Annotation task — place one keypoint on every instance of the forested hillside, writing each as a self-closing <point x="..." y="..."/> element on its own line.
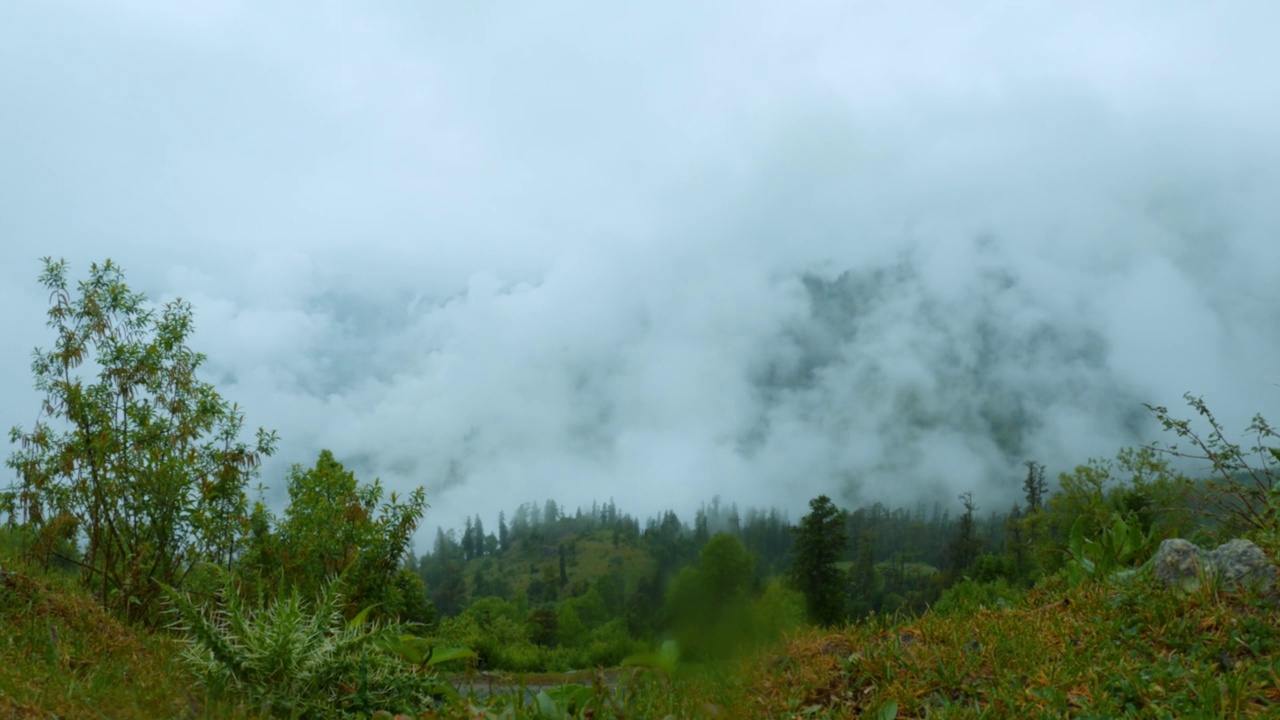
<point x="573" y="587"/>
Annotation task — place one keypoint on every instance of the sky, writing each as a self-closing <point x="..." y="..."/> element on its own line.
<point x="659" y="252"/>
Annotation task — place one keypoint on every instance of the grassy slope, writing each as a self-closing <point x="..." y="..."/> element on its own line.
<point x="1093" y="651"/>
<point x="62" y="656"/>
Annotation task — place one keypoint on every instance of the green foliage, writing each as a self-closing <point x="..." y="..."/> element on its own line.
<point x="968" y="596"/>
<point x="299" y="659"/>
<point x="145" y="463"/>
<point x="63" y="655"/>
<point x="609" y="644"/>
<point x="664" y="661"/>
<point x="1034" y="487"/>
<point x="501" y="641"/>
<point x="709" y="609"/>
<point x="336" y="526"/>
<point x="1243" y="492"/>
<point x="493" y="628"/>
<point x="570" y="632"/>
<point x="1119" y="547"/>
<point x="865" y="592"/>
<point x="422" y="653"/>
<point x="821" y="541"/>
<point x="779" y="610"/>
<point x="1133" y="650"/>
<point x="1138" y="484"/>
<point x="725" y="568"/>
<point x="963" y="550"/>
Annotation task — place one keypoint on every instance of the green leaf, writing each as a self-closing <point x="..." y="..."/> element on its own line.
<point x="1076" y="541"/>
<point x="416" y="650"/>
<point x="887" y="711"/>
<point x="443" y="655"/>
<point x="567" y="696"/>
<point x="547" y="707"/>
<point x="361" y="616"/>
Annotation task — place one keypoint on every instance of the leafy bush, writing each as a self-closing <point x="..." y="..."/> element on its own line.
<point x="609" y="644"/>
<point x="1244" y="493"/>
<point x="335" y="525"/>
<point x="1138" y="485"/>
<point x="709" y="609"/>
<point x="1119" y="546"/>
<point x="145" y="463"/>
<point x="779" y="610"/>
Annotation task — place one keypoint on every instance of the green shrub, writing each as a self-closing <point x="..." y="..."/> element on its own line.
<point x="142" y="465"/>
<point x="609" y="644"/>
<point x="779" y="610"/>
<point x="336" y="525"/>
<point x="967" y="596"/>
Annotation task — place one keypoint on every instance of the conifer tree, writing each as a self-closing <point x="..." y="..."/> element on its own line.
<point x="468" y="541"/>
<point x="477" y="540"/>
<point x="1034" y="486"/>
<point x="964" y="549"/>
<point x="820" y="543"/>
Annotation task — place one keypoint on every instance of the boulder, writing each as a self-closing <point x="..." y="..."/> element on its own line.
<point x="1235" y="565"/>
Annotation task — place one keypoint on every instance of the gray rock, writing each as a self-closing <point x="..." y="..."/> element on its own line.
<point x="1238" y="564"/>
<point x="1178" y="561"/>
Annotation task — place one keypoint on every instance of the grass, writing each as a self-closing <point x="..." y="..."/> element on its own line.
<point x="1092" y="651"/>
<point x="63" y="656"/>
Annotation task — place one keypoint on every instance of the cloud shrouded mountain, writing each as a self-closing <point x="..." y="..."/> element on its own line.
<point x="885" y="251"/>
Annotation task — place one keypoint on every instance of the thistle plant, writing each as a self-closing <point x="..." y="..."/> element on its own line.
<point x="298" y="659"/>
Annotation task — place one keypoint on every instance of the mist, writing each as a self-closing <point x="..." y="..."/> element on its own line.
<point x="881" y="251"/>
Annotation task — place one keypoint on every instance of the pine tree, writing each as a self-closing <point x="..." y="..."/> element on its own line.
<point x="1034" y="486"/>
<point x="820" y="543"/>
<point x="504" y="539"/>
<point x="701" y="534"/>
<point x="477" y="537"/>
<point x="964" y="549"/>
<point x="1015" y="542"/>
<point x="468" y="541"/>
<point x="450" y="595"/>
